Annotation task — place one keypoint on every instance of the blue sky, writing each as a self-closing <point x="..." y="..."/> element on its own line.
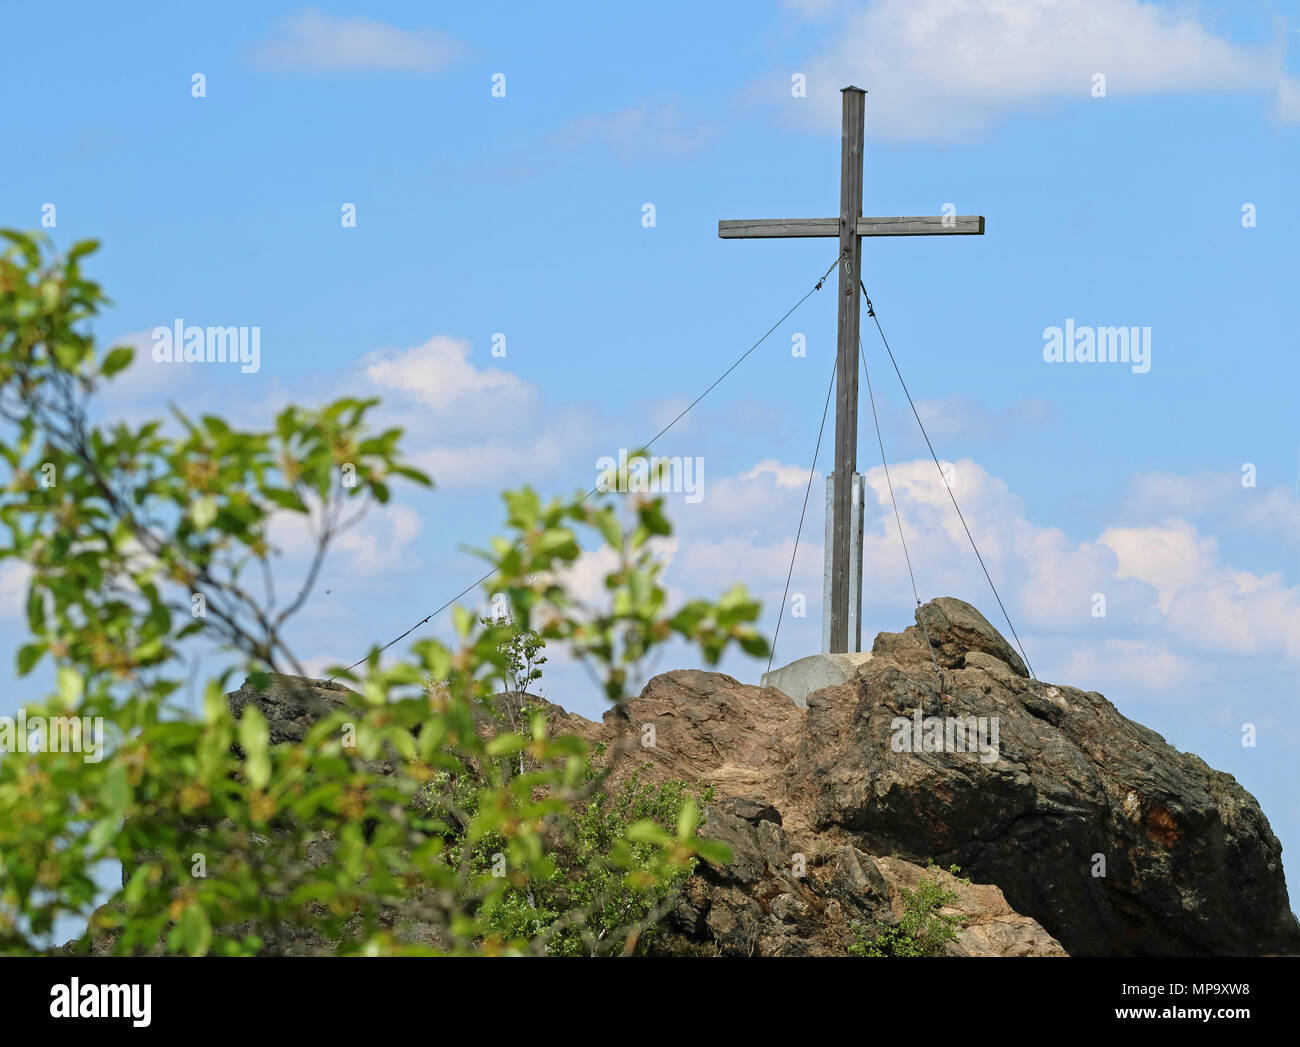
<point x="522" y="215"/>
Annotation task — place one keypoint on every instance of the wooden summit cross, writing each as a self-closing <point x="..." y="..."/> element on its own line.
<point x="850" y="227"/>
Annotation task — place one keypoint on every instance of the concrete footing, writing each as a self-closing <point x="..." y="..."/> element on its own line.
<point x="801" y="678"/>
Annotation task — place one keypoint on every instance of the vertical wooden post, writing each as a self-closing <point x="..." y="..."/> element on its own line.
<point x="846" y="374"/>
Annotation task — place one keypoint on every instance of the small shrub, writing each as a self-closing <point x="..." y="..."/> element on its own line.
<point x="923" y="930"/>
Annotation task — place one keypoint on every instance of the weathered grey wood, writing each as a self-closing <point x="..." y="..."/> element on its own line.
<point x="846" y="373"/>
<point x="754" y="228"/>
<point x="924" y="225"/>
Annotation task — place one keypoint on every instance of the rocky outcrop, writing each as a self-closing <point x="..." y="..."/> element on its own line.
<point x="1090" y="824"/>
<point x="1075" y="829"/>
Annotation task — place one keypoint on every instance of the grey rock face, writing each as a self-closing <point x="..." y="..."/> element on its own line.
<point x="1067" y="788"/>
<point x="291" y="704"/>
<point x="1191" y="866"/>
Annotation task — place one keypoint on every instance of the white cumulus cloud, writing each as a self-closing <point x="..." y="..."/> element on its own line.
<point x="947" y="69"/>
<point x="439" y="372"/>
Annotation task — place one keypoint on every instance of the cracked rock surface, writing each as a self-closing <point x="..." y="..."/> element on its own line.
<point x="1072" y="789"/>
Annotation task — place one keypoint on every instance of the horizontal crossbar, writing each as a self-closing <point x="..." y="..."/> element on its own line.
<point x="928" y="225"/>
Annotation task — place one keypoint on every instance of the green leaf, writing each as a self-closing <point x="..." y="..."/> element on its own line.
<point x="524" y="507"/>
<point x="28" y="655"/>
<point x="196" y="930"/>
<point x="285" y="499"/>
<point x="70" y="685"/>
<point x="118" y="359"/>
<point x="254" y="740"/>
<point x="101" y="834"/>
<point x="214" y="702"/>
<point x="653" y="518"/>
<point x="203" y="511"/>
<point x="314" y="891"/>
<point x="137" y="885"/>
<point x="462" y="619"/>
<point x="412" y="474"/>
<point x="504" y="744"/>
<point x="116" y="791"/>
<point x="647" y="830"/>
<point x="687" y="818"/>
<point x="36" y="610"/>
<point x="607" y="523"/>
<point x="713" y="851"/>
<point x="405" y="672"/>
<point x="82" y="247"/>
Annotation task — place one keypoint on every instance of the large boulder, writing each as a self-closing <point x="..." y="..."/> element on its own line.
<point x="1092" y="825"/>
<point x="955" y="630"/>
